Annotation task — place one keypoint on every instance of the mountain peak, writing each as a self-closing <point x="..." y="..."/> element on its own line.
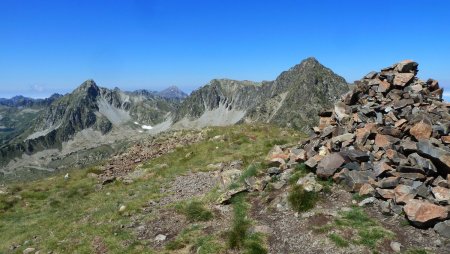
<point x="90" y="87"/>
<point x="310" y="59"/>
<point x="172" y="92"/>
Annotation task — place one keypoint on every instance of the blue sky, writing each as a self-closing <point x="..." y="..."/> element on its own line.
<point x="53" y="46"/>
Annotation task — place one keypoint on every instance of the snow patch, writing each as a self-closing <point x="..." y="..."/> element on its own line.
<point x="147" y="127"/>
<point x="136" y="123"/>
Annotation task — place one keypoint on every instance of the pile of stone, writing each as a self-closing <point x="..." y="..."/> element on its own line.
<point x="388" y="138"/>
<point x="119" y="166"/>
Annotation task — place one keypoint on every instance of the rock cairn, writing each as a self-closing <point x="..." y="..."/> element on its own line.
<point x="388" y="138"/>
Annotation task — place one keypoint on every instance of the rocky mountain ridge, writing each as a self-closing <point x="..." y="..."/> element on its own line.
<point x="292" y="100"/>
<point x="89" y="108"/>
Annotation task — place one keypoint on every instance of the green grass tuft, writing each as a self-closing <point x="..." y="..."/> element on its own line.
<point x="370" y="236"/>
<point x="240" y="225"/>
<point x="368" y="232"/>
<point x="239" y="236"/>
<point x="302" y="200"/>
<point x="338" y="240"/>
<point x="250" y="171"/>
<point x="195" y="211"/>
<point x="8" y="202"/>
<point x="300" y="170"/>
<point x="208" y="245"/>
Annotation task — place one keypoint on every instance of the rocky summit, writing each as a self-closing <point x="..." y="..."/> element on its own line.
<point x="388" y="138"/>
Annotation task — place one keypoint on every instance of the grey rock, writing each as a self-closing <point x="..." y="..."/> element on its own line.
<point x="388" y="183"/>
<point x="396" y="247"/>
<point x="329" y="164"/>
<point x="438" y="155"/>
<point x="443" y="228"/>
<point x="273" y="171"/>
<point x="422" y="162"/>
<point x="367" y="201"/>
<point x="353" y="180"/>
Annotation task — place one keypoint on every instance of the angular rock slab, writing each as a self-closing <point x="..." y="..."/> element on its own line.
<point x="441" y="194"/>
<point x="439" y="155"/>
<point x="402" y="79"/>
<point x="353" y="180"/>
<point x="403" y="194"/>
<point x="422" y="130"/>
<point x="329" y="164"/>
<point x="423" y="213"/>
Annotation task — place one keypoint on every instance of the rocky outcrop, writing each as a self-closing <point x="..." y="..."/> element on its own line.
<point x="293" y="99"/>
<point x="387" y="139"/>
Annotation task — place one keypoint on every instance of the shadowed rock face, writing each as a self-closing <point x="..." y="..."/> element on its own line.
<point x="294" y="99"/>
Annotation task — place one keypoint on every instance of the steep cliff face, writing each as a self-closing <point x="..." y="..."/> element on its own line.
<point x="293" y="99"/>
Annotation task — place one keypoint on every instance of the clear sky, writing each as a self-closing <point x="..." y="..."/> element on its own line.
<point x="53" y="46"/>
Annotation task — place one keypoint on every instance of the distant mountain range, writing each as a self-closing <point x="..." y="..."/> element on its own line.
<point x="21" y="101"/>
<point x="92" y="116"/>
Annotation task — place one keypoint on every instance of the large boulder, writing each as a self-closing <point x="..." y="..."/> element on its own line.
<point x="423" y="213"/>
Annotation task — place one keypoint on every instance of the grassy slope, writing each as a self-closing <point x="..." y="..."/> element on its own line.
<point x="65" y="216"/>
